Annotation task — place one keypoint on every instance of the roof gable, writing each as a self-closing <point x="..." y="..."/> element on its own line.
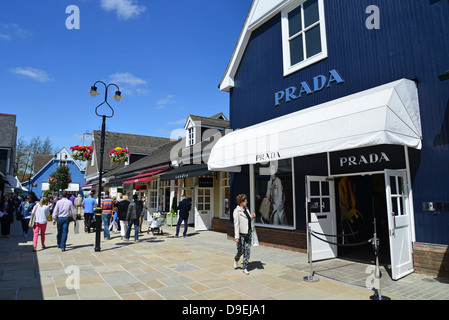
<point x="216" y="121"/>
<point x="260" y="12"/>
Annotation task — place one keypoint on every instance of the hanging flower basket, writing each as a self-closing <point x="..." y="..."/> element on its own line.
<point x="50" y="180"/>
<point x="119" y="154"/>
<point x="83" y="153"/>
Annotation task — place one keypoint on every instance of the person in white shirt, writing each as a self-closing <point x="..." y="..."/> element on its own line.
<point x="41" y="211"/>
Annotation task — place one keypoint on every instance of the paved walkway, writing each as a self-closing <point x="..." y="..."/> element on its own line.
<point x="198" y="267"/>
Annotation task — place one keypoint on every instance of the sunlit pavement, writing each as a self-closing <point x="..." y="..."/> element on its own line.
<point x="197" y="267"/>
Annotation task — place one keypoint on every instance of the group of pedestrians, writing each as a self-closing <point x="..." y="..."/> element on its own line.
<point x="118" y="213"/>
<point x="21" y="207"/>
<point x="34" y="214"/>
<point x="128" y="214"/>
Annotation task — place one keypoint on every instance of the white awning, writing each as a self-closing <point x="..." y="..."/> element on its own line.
<point x="13" y="182"/>
<point x="388" y="114"/>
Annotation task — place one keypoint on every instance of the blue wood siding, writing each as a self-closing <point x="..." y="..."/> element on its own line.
<point x="412" y="43"/>
<point x="76" y="175"/>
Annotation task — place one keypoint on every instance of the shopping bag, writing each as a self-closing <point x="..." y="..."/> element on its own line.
<point x="76" y="227"/>
<point x="32" y="221"/>
<point x="254" y="238"/>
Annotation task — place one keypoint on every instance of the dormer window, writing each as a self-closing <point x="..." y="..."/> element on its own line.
<point x="191" y="136"/>
<point x="303" y="35"/>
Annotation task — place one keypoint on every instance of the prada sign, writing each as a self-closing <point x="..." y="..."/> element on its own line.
<point x="368" y="159"/>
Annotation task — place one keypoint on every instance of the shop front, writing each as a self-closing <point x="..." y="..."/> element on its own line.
<point x="317" y="99"/>
<point x="335" y="167"/>
<point x="197" y="183"/>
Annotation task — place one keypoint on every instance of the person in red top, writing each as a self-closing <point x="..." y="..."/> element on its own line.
<point x="107" y="204"/>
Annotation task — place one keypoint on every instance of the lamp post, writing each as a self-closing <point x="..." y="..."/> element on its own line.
<point x="117" y="97"/>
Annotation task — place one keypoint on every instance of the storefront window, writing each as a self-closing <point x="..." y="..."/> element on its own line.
<point x="274" y="194"/>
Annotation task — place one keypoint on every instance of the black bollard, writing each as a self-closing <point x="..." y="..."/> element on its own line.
<point x="98" y="212"/>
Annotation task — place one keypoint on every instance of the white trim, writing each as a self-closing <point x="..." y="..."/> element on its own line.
<point x="261" y="11"/>
<point x="222" y="187"/>
<point x="252" y="191"/>
<point x="288" y="68"/>
<point x="410" y="196"/>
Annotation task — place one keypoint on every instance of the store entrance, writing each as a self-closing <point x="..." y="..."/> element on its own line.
<point x="360" y="199"/>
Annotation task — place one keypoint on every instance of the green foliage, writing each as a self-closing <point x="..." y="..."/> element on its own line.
<point x="62" y="179"/>
<point x="174" y="205"/>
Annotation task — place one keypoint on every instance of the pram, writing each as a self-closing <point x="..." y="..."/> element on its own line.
<point x="156" y="223"/>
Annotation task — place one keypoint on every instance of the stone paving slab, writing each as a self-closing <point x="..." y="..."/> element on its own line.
<point x="197" y="267"/>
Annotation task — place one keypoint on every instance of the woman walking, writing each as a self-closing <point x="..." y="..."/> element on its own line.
<point x="25" y="210"/>
<point x="121" y="214"/>
<point x="7" y="207"/>
<point x="42" y="212"/>
<point x="242" y="231"/>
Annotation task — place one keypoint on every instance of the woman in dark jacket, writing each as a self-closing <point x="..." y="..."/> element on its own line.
<point x="121" y="213"/>
<point x="7" y="207"/>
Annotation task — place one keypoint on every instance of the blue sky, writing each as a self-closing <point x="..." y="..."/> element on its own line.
<point x="167" y="57"/>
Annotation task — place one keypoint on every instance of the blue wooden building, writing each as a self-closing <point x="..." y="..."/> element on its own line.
<point x="343" y="111"/>
<point x="45" y="165"/>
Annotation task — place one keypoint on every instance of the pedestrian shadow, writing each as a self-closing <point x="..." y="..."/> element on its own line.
<point x="255" y="265"/>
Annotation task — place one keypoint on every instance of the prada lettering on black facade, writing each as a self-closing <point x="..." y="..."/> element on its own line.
<point x="369" y="159"/>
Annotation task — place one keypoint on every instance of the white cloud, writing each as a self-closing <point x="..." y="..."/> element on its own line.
<point x="125" y="9"/>
<point x="162" y="103"/>
<point x="33" y="73"/>
<point x="129" y="83"/>
<point x="11" y="30"/>
<point x="126" y="78"/>
<point x="180" y="121"/>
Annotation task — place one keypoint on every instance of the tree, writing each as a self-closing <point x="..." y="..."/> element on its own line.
<point x="61" y="179"/>
<point x="25" y="153"/>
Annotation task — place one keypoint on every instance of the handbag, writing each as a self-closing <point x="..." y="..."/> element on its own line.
<point x="32" y="221"/>
<point x="76" y="228"/>
<point x="254" y="238"/>
<point x="266" y="209"/>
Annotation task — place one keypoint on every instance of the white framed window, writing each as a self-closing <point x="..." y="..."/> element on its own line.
<point x="303" y="35"/>
<point x="191" y="136"/>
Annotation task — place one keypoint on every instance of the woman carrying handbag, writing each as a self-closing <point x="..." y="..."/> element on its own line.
<point x="38" y="221"/>
<point x="242" y="231"/>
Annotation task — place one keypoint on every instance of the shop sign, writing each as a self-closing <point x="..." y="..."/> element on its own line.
<point x="206" y="182"/>
<point x="319" y="83"/>
<point x="368" y="159"/>
<point x="268" y="156"/>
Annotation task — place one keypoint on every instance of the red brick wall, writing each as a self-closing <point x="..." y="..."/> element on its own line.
<point x="431" y="259"/>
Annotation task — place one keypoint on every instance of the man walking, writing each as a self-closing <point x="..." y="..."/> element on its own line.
<point x="133" y="214"/>
<point x="89" y="207"/>
<point x="107" y="204"/>
<point x="63" y="209"/>
<point x="184" y="207"/>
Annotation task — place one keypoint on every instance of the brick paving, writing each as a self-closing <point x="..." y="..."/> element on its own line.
<point x="198" y="267"/>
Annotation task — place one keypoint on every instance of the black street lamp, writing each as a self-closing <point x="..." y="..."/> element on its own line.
<point x="117" y="97"/>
